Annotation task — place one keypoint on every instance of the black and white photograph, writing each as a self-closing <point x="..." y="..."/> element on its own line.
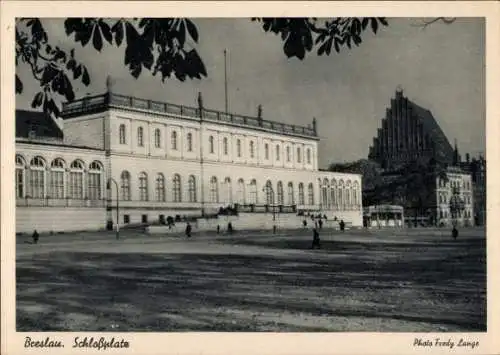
<point x="249" y="174"/>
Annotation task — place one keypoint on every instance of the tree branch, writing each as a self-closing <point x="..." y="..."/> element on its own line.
<point x="445" y="20"/>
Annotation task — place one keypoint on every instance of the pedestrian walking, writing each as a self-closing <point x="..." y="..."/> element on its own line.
<point x="316" y="241"/>
<point x="35" y="237"/>
<point x="188" y="230"/>
<point x="342" y="225"/>
<point x="454" y="233"/>
<point x="218" y="229"/>
<point x="304" y="223"/>
<point x="320" y="223"/>
<point x="230" y="228"/>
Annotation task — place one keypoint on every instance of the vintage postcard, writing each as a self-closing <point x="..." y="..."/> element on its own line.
<point x="250" y="177"/>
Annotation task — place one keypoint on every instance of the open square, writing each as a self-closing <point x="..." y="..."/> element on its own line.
<point x="414" y="280"/>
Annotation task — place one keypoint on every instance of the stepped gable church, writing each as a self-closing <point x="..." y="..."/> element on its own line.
<point x="408" y="132"/>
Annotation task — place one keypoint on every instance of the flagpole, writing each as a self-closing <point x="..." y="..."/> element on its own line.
<point x="225" y="80"/>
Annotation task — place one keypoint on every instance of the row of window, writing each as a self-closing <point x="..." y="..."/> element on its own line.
<point x="246" y="193"/>
<point x="211" y="142"/>
<point x="454" y="184"/>
<point x="458" y="214"/>
<point x="443" y="198"/>
<point x="41" y="180"/>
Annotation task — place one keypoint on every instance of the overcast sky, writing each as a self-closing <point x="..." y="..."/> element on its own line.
<point x="440" y="67"/>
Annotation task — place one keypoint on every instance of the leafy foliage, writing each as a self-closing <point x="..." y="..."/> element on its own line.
<point x="162" y="46"/>
<point x="302" y="35"/>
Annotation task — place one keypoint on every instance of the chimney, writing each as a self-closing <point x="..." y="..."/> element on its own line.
<point x="315" y="126"/>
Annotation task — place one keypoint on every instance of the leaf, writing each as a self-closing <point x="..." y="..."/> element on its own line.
<point x="106" y="31"/>
<point x="193" y="32"/>
<point x="37" y="100"/>
<point x="364" y="23"/>
<point x="329" y="45"/>
<point x="97" y="39"/>
<point x="49" y="73"/>
<point x="85" y="77"/>
<point x="182" y="34"/>
<point x="19" y="85"/>
<point x="77" y="72"/>
<point x="117" y="29"/>
<point x="374" y="25"/>
<point x="383" y="21"/>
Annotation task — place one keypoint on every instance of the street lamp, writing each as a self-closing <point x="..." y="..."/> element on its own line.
<point x="268" y="189"/>
<point x="117" y="206"/>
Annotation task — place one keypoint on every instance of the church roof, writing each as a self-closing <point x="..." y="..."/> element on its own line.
<point x="38" y="123"/>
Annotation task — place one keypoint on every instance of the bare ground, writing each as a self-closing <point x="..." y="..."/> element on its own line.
<point x="410" y="280"/>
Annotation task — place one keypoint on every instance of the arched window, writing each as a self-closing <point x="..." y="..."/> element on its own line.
<point x="266" y="151"/>
<point x="157" y="138"/>
<point x="291" y="199"/>
<point x="347" y="192"/>
<point x="125" y="185"/>
<point x="189" y="139"/>
<point x="277" y="152"/>
<point x="140" y="137"/>
<point x="299" y="155"/>
<point x="225" y="146"/>
<point x="76" y="180"/>
<point x="280" y="193"/>
<point x="228" y="191"/>
<point x="20" y="183"/>
<point x="176" y="188"/>
<point x="143" y="187"/>
<point x="355" y="195"/>
<point x="308" y="156"/>
<point x="310" y="194"/>
<point x="333" y="194"/>
<point x="325" y="189"/>
<point x="301" y="194"/>
<point x="214" y="190"/>
<point x="240" y="192"/>
<point x="95" y="180"/>
<point x="288" y="154"/>
<point x="160" y="187"/>
<point x="192" y="188"/>
<point x="37" y="177"/>
<point x="269" y="193"/>
<point x="56" y="180"/>
<point x="122" y="134"/>
<point x="238" y="148"/>
<point x="340" y="192"/>
<point x="211" y="144"/>
<point x="252" y="192"/>
<point x="252" y="150"/>
<point x="173" y="139"/>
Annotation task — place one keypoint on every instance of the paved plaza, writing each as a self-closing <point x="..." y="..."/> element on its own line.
<point x="415" y="280"/>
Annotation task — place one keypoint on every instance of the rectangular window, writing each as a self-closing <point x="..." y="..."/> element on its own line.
<point x="144" y="218"/>
<point x="76" y="185"/>
<point x="57" y="184"/>
<point x="94" y="186"/>
<point x="19" y="183"/>
<point x="126" y="218"/>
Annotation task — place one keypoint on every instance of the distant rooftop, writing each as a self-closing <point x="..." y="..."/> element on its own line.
<point x="33" y="124"/>
<point x="103" y="102"/>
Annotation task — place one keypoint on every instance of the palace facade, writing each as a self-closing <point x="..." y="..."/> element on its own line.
<point x="158" y="159"/>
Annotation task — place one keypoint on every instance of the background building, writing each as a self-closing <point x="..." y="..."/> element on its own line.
<point x="408" y="132"/>
<point x="419" y="169"/>
<point x="169" y="160"/>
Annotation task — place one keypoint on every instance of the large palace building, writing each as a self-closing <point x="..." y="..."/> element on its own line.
<point x="162" y="160"/>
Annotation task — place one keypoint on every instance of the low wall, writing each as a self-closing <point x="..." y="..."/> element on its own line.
<point x="247" y="221"/>
<point x="59" y="219"/>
